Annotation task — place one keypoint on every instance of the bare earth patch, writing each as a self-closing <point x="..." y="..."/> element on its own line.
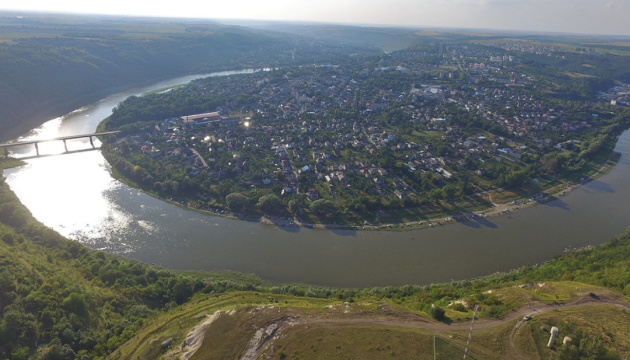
<point x="193" y="340"/>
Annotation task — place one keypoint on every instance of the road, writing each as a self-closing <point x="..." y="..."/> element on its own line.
<point x="200" y="157"/>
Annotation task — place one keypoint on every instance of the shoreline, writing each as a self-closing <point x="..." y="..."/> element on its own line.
<point x="499" y="209"/>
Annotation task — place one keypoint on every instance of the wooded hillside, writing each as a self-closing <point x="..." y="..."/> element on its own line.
<point x="53" y="64"/>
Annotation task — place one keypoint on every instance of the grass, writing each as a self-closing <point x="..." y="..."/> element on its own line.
<point x="453" y="347"/>
<point x="493" y="343"/>
<point x="600" y="165"/>
<point x="504" y="195"/>
<point x="326" y="328"/>
<point x="353" y="342"/>
<point x="177" y="323"/>
<point x="8" y="162"/>
<point x="611" y="322"/>
<point x="229" y="334"/>
<point x="428" y="134"/>
<point x="559" y="292"/>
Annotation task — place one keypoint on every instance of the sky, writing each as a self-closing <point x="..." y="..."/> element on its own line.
<point x="568" y="16"/>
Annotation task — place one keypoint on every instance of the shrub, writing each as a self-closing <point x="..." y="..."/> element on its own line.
<point x="437" y="313"/>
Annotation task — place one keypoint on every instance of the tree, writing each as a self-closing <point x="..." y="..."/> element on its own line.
<point x="294" y="207"/>
<point x="436" y="194"/>
<point x="515" y="178"/>
<point x="75" y="304"/>
<point x="270" y="204"/>
<point x="549" y="164"/>
<point x="323" y="207"/>
<point x="449" y="191"/>
<point x="437" y="313"/>
<point x="182" y="290"/>
<point x="236" y="202"/>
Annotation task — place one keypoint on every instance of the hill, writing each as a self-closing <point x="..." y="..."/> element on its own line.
<point x="251" y="325"/>
<point x="53" y="64"/>
<point x="61" y="300"/>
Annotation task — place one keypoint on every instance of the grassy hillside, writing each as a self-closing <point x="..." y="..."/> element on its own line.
<point x="584" y="294"/>
<point x="259" y="325"/>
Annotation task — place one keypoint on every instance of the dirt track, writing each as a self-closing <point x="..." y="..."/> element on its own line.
<point x="280" y="320"/>
<point x="416" y="321"/>
<point x="409" y="320"/>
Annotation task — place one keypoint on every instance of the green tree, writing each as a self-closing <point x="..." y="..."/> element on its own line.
<point x="236" y="202"/>
<point x="294" y="206"/>
<point x="549" y="164"/>
<point x="270" y="204"/>
<point x="75" y="304"/>
<point x="436" y="194"/>
<point x="182" y="290"/>
<point x="449" y="191"/>
<point x="437" y="313"/>
<point x="323" y="207"/>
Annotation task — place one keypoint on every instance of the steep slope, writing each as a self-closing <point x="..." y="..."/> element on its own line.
<point x="61" y="300"/>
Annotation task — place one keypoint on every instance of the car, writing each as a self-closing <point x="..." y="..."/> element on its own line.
<point x="527" y="317"/>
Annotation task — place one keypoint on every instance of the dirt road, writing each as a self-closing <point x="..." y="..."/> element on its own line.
<point x="409" y="320"/>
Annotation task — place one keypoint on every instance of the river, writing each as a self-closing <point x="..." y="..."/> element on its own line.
<point x="76" y="195"/>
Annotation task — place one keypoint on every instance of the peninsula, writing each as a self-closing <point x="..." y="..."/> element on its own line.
<point x="434" y="131"/>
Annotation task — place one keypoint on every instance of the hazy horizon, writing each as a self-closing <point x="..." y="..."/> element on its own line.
<point x="561" y="16"/>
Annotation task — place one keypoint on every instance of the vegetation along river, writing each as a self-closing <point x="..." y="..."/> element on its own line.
<point x="76" y="195"/>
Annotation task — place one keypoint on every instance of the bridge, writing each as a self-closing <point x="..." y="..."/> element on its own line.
<point x="62" y="138"/>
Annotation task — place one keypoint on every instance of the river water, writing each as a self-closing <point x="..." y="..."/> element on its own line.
<point x="76" y="195"/>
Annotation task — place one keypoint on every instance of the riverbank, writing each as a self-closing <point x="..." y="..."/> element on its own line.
<point x="503" y="208"/>
<point x="107" y="214"/>
<point x="9" y="162"/>
<point x="31" y="117"/>
<point x="511" y="201"/>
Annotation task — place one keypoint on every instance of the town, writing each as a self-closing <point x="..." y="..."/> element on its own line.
<point x="430" y="127"/>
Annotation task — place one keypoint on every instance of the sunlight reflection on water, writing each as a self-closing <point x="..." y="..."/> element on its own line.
<point x="77" y="204"/>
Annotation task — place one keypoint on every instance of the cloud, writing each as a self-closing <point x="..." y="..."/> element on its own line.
<point x="579" y="16"/>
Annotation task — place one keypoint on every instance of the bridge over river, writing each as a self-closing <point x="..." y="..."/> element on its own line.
<point x="62" y="138"/>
